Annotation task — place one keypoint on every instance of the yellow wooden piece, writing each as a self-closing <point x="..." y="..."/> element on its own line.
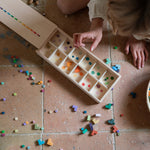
<point x="49" y="142"/>
<point x="40" y="82"/>
<point x="95" y="121"/>
<point x="74" y="75"/>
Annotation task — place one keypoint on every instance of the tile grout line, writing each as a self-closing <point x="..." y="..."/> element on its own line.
<point x="43" y="74"/>
<point x="113" y="116"/>
<point x="77" y="132"/>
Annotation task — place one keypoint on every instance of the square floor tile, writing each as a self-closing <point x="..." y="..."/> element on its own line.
<point x="60" y="95"/>
<point x="135" y="140"/>
<point x="27" y="105"/>
<point x="135" y="110"/>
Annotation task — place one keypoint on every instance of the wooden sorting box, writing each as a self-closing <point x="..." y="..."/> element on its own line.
<point x="79" y="65"/>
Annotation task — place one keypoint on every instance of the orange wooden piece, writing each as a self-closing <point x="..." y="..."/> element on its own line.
<point x="93" y="132"/>
<point x="69" y="64"/>
<point x="49" y="142"/>
<point x="149" y="93"/>
<point x="115" y="129"/>
<point x="77" y="70"/>
<point x="81" y="74"/>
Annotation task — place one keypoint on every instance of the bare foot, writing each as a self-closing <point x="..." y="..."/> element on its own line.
<point x="138" y="50"/>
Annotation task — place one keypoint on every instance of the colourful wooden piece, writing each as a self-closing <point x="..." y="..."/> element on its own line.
<point x="49" y="142"/>
<point x="93" y="132"/>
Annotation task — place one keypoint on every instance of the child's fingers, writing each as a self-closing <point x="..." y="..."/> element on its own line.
<point x="142" y="59"/>
<point x="134" y="55"/>
<point x="139" y="60"/>
<point x="95" y="44"/>
<point x="146" y="53"/>
<point x="81" y="37"/>
<point x="127" y="48"/>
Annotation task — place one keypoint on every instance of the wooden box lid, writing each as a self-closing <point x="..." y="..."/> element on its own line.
<point x="26" y="22"/>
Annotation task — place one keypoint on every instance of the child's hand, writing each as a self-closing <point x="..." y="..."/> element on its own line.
<point x="94" y="35"/>
<point x="138" y="50"/>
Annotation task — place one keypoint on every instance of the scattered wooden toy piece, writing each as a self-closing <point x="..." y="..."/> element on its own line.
<point x="97" y="115"/>
<point x="93" y="132"/>
<point x="49" y="142"/>
<point x="116" y="68"/>
<point x="121" y="115"/>
<point x="107" y="61"/>
<point x="40" y="142"/>
<point x="115" y="47"/>
<point x="16" y="118"/>
<point x="3" y="131"/>
<point x="115" y="129"/>
<point x="3" y="113"/>
<point x="118" y="133"/>
<point x="3" y="99"/>
<point x="108" y="106"/>
<point x="111" y="121"/>
<point x="14" y="94"/>
<point x="75" y="108"/>
<point x="88" y="118"/>
<point x="133" y="94"/>
<point x="91" y="126"/>
<point x="85" y="112"/>
<point x="50" y="112"/>
<point x="2" y="134"/>
<point x="55" y="111"/>
<point x="28" y="147"/>
<point x="84" y="131"/>
<point x="16" y="131"/>
<point x="95" y="121"/>
<point x="22" y="146"/>
<point x="36" y="127"/>
<point x="40" y="82"/>
<point x="2" y="83"/>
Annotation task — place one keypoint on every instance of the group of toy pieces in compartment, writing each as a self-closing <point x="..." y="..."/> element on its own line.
<point x="92" y="121"/>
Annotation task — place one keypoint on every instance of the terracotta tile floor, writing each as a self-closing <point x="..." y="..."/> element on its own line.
<point x="64" y="126"/>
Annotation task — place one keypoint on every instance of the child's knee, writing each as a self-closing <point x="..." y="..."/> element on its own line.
<point x="64" y="6"/>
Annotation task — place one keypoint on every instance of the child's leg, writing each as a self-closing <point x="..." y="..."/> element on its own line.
<point x="71" y="6"/>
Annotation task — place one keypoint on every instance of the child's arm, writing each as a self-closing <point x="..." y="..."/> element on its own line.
<point x="95" y="34"/>
<point x="97" y="11"/>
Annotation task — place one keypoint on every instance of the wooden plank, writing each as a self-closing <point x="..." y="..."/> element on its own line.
<point x="26" y="22"/>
